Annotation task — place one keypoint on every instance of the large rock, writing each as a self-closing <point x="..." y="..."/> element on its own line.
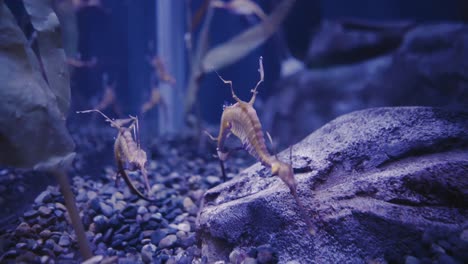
<point x="372" y="181"/>
<point x="382" y="66"/>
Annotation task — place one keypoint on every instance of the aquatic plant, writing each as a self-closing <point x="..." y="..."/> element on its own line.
<point x="205" y="60"/>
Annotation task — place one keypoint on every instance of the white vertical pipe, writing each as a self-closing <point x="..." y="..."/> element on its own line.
<point x="170" y="30"/>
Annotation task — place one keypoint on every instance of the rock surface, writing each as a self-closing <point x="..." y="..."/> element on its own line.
<point x="374" y="182"/>
<point x="423" y="65"/>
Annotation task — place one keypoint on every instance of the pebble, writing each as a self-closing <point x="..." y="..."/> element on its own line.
<point x="464" y="235"/>
<point x="44" y="211"/>
<point x="212" y="180"/>
<point x="157" y="235"/>
<point x="91" y="195"/>
<point x="130" y="211"/>
<point x="157" y="216"/>
<point x="147" y="252"/>
<point x="437" y="249"/>
<point x="45" y="234"/>
<point x="184" y="227"/>
<point x="81" y="197"/>
<point x="119" y="205"/>
<point x="446" y="259"/>
<point x="108" y="234"/>
<point x="142" y="210"/>
<point x="167" y="241"/>
<point x="145" y="241"/>
<point x="412" y="260"/>
<point x="21" y="246"/>
<point x="30" y="213"/>
<point x="105" y="209"/>
<point x="44" y="197"/>
<point x="97" y="238"/>
<point x="190" y="206"/>
<point x="249" y="260"/>
<point x="265" y="254"/>
<point x="100" y="222"/>
<point x="23" y="229"/>
<point x="237" y="256"/>
<point x="58" y="213"/>
<point x="60" y="206"/>
<point x="117" y="196"/>
<point x="64" y="241"/>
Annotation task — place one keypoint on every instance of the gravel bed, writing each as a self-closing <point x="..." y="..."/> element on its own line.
<point x="125" y="229"/>
<point x="121" y="227"/>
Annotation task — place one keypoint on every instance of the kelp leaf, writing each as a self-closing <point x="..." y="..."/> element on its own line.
<point x="32" y="126"/>
<point x="240" y="45"/>
<point x="52" y="54"/>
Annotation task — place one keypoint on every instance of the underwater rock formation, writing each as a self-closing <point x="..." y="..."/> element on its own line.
<point x="381" y="65"/>
<point x="374" y="182"/>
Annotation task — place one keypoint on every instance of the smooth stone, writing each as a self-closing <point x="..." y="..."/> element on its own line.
<point x="116" y="220"/>
<point x="21" y="245"/>
<point x="106" y="210"/>
<point x="44" y="210"/>
<point x="81" y="197"/>
<point x="59" y="213"/>
<point x="107" y="235"/>
<point x="61" y="206"/>
<point x="118" y="241"/>
<point x="249" y="260"/>
<point x="189" y="240"/>
<point x="36" y="228"/>
<point x="70" y="255"/>
<point x="265" y="254"/>
<point x="130" y="211"/>
<point x="94" y="260"/>
<point x="237" y="256"/>
<point x="212" y="180"/>
<point x="91" y="195"/>
<point x="412" y="260"/>
<point x="158" y="235"/>
<point x="64" y="241"/>
<point x="464" y="235"/>
<point x="184" y="227"/>
<point x="173" y="214"/>
<point x="45" y="234"/>
<point x="101" y="222"/>
<point x="94" y="204"/>
<point x="185" y="260"/>
<point x="142" y="210"/>
<point x="437" y="249"/>
<point x="97" y="238"/>
<point x="446" y="259"/>
<point x="157" y="216"/>
<point x="147" y="252"/>
<point x="189" y="205"/>
<point x="168" y="241"/>
<point x="44" y="197"/>
<point x="145" y="241"/>
<point x="30" y="213"/>
<point x="117" y="196"/>
<point x="23" y="228"/>
<point x="108" y="190"/>
<point x="120" y="205"/>
<point x="152" y="208"/>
